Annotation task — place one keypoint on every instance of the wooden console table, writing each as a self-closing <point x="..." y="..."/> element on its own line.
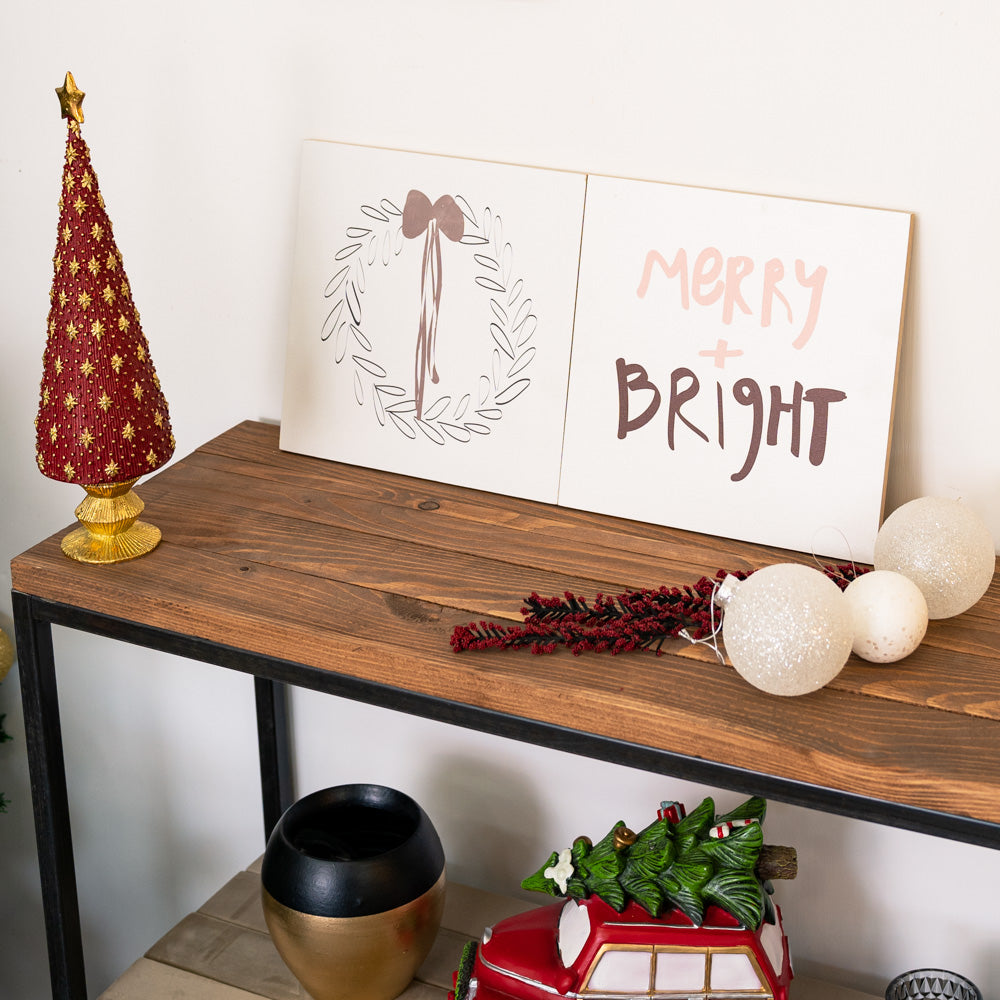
<point x="350" y="581"/>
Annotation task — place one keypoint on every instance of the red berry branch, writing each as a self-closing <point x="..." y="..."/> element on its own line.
<point x="634" y="620"/>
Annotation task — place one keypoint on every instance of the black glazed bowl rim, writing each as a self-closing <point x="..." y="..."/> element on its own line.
<point x="358" y="887"/>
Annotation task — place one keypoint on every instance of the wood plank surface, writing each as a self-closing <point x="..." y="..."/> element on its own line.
<point x="223" y="952"/>
<point x="148" y="980"/>
<point x="365" y="574"/>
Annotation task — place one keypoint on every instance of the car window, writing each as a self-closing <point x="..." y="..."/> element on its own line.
<point x="707" y="973"/>
<point x="733" y="971"/>
<point x="679" y="970"/>
<point x="621" y="970"/>
<point x="574" y="929"/>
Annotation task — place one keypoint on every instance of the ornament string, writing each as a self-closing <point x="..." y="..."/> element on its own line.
<point x="835" y="573"/>
<point x="712" y="639"/>
<point x="628" y="622"/>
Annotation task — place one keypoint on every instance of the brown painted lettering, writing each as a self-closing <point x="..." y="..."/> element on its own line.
<point x="746" y="392"/>
<point x="678" y="397"/>
<point x="821" y="400"/>
<point x="778" y="406"/>
<point x="632" y="378"/>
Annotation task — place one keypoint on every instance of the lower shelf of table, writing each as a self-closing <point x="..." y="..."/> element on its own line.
<point x="223" y="952"/>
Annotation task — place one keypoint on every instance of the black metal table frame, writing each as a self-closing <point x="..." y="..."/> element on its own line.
<point x="34" y="617"/>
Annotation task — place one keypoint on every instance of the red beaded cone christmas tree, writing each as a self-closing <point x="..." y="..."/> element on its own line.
<point x="102" y="419"/>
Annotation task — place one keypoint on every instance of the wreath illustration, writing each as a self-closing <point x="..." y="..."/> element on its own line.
<point x="414" y="408"/>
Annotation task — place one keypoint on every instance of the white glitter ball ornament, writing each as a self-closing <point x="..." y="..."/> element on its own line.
<point x="943" y="547"/>
<point x="889" y="615"/>
<point x="787" y="628"/>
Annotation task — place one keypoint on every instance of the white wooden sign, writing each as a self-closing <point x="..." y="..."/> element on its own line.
<point x="730" y="370"/>
<point x="432" y="316"/>
<point x="734" y="364"/>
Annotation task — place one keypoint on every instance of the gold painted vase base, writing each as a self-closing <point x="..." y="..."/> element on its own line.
<point x="86" y="546"/>
<point x="372" y="957"/>
<point x="109" y="531"/>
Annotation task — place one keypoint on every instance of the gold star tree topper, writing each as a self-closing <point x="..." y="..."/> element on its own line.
<point x="70" y="99"/>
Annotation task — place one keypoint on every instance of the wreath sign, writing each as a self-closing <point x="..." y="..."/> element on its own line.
<point x="378" y="241"/>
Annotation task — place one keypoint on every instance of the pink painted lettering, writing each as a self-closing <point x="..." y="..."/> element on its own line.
<point x="707" y="268"/>
<point x="714" y="277"/>
<point x="678" y="267"/>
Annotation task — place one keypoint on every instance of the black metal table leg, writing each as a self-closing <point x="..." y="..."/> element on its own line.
<point x="274" y="742"/>
<point x="47" y="769"/>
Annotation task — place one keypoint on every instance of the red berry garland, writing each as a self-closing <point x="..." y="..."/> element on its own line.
<point x="634" y="620"/>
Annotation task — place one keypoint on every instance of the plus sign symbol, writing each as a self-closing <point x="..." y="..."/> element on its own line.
<point x="720" y="352"/>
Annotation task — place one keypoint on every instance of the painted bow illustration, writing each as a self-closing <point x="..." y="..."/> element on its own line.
<point x="420" y="216"/>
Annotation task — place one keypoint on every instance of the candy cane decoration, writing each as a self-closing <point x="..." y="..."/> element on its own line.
<point x="723" y="830"/>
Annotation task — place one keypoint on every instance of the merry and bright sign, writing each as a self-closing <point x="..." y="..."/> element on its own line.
<point x="713" y="361"/>
<point x="734" y="361"/>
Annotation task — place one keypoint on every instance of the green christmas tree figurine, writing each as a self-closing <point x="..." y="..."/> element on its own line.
<point x="680" y="860"/>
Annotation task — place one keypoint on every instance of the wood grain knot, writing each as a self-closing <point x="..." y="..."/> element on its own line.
<point x="411" y="610"/>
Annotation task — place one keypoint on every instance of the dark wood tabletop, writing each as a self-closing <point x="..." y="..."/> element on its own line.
<point x="365" y="574"/>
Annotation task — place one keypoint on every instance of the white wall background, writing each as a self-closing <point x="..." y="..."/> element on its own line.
<point x="195" y="112"/>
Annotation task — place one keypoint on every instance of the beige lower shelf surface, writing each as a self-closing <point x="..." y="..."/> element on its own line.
<point x="223" y="952"/>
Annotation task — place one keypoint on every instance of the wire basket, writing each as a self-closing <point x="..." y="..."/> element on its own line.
<point x="932" y="984"/>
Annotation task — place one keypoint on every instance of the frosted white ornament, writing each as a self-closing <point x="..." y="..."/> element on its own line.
<point x="944" y="547"/>
<point x="889" y="615"/>
<point x="786" y="628"/>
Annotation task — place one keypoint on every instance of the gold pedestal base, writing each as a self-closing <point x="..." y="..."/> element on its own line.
<point x="110" y="532"/>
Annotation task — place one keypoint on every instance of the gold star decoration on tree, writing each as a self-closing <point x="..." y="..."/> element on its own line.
<point x="70" y="99"/>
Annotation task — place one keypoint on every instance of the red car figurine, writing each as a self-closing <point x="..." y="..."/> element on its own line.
<point x="680" y="910"/>
<point x="585" y="949"/>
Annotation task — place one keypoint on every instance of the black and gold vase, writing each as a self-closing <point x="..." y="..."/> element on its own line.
<point x="353" y="886"/>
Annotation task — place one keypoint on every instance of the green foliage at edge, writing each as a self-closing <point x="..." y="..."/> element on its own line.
<point x="739" y="893"/>
<point x="5" y="737"/>
<point x="464" y="974"/>
<point x="739" y="850"/>
<point x="539" y="882"/>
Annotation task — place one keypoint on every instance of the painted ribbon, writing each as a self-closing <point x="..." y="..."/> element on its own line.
<point x="420" y="216"/>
